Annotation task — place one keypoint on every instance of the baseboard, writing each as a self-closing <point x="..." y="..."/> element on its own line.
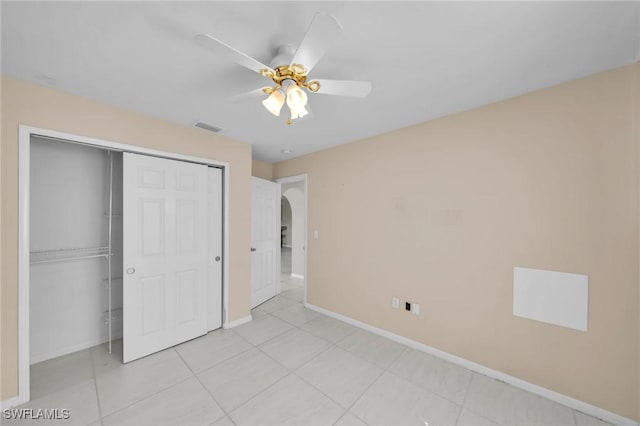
<point x="11" y="402"/>
<point x="297" y="276"/>
<point x="235" y="323"/>
<point x="575" y="404"/>
<point x="70" y="349"/>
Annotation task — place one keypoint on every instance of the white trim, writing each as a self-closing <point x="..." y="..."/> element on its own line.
<point x="231" y="324"/>
<point x="24" y="141"/>
<point x="24" y="335"/>
<point x="74" y="348"/>
<point x="279" y="233"/>
<point x="11" y="402"/>
<point x="301" y="178"/>
<point x="575" y="404"/>
<point x="301" y="277"/>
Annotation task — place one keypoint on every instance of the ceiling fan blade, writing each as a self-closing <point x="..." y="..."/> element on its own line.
<point x="223" y="49"/>
<point x="253" y="94"/>
<point x="322" y="33"/>
<point x="356" y="89"/>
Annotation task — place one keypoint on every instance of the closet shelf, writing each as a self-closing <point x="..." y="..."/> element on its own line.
<point x="114" y="315"/>
<point x="61" y="255"/>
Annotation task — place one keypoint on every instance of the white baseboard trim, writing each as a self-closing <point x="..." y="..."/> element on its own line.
<point x="230" y="324"/>
<point x="11" y="402"/>
<point x="575" y="404"/>
<point x="297" y="276"/>
<point x="70" y="349"/>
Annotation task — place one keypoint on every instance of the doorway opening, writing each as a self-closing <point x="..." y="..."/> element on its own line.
<point x="293" y="238"/>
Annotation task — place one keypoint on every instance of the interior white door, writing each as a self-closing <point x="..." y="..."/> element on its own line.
<point x="265" y="239"/>
<point x="164" y="253"/>
<point x="214" y="260"/>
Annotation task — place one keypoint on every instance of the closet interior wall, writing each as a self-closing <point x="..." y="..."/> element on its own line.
<point x="70" y="212"/>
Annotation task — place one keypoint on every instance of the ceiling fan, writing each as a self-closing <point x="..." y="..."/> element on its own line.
<point x="288" y="70"/>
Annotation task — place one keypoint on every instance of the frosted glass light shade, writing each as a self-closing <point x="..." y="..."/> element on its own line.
<point x="296" y="100"/>
<point x="274" y="102"/>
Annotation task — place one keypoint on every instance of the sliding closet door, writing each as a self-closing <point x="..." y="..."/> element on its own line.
<point x="165" y="253"/>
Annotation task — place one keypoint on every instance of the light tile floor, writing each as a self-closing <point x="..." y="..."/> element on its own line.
<point x="289" y="365"/>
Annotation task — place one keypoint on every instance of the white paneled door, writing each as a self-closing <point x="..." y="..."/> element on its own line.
<point x="165" y="253"/>
<point x="265" y="240"/>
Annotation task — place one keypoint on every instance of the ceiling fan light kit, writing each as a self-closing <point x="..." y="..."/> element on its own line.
<point x="291" y="80"/>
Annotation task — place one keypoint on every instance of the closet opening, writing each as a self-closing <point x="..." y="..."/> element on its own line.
<point x="98" y="224"/>
<point x="75" y="248"/>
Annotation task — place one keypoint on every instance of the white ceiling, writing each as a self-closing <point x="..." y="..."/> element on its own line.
<point x="425" y="60"/>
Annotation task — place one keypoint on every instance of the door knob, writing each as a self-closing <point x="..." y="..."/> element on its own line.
<point x="131" y="271"/>
<point x="253" y="249"/>
<point x="217" y="258"/>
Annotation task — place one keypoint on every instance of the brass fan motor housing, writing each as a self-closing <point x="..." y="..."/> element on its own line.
<point x="295" y="72"/>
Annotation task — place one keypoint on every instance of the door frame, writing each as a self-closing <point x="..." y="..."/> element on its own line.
<point x="292" y="179"/>
<point x="24" y="149"/>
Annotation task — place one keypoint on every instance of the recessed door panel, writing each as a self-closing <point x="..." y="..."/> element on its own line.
<point x="187" y="182"/>
<point x="151" y="178"/>
<point x="187" y="225"/>
<point x="153" y="314"/>
<point x="152" y="226"/>
<point x="187" y="293"/>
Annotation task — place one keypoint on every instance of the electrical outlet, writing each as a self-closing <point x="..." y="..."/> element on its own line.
<point x="407" y="306"/>
<point x="416" y="309"/>
<point x="395" y="302"/>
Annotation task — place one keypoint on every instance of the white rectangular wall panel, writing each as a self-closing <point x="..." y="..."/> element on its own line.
<point x="558" y="298"/>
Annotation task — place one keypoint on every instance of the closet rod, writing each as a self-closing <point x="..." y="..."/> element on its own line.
<point x="69" y="258"/>
<point x="62" y="255"/>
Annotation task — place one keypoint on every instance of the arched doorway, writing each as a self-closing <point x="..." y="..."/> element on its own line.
<point x="293" y="235"/>
<point x="285" y="239"/>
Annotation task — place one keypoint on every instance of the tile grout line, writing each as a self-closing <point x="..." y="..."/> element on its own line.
<point x="243" y="351"/>
<point x="271" y="338"/>
<point x="217" y="330"/>
<point x="261" y="392"/>
<point x="347" y="409"/>
<point x="206" y="389"/>
<point x="466" y="394"/>
<point x="388" y="370"/>
<point x="95" y="384"/>
<point x="292" y="372"/>
<point x="422" y="388"/>
<point x="287" y="369"/>
<point x="383" y="370"/>
<point x="335" y="345"/>
<point x="154" y="393"/>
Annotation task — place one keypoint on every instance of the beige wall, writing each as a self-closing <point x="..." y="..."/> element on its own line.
<point x="441" y="212"/>
<point x="262" y="170"/>
<point x="26" y="103"/>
